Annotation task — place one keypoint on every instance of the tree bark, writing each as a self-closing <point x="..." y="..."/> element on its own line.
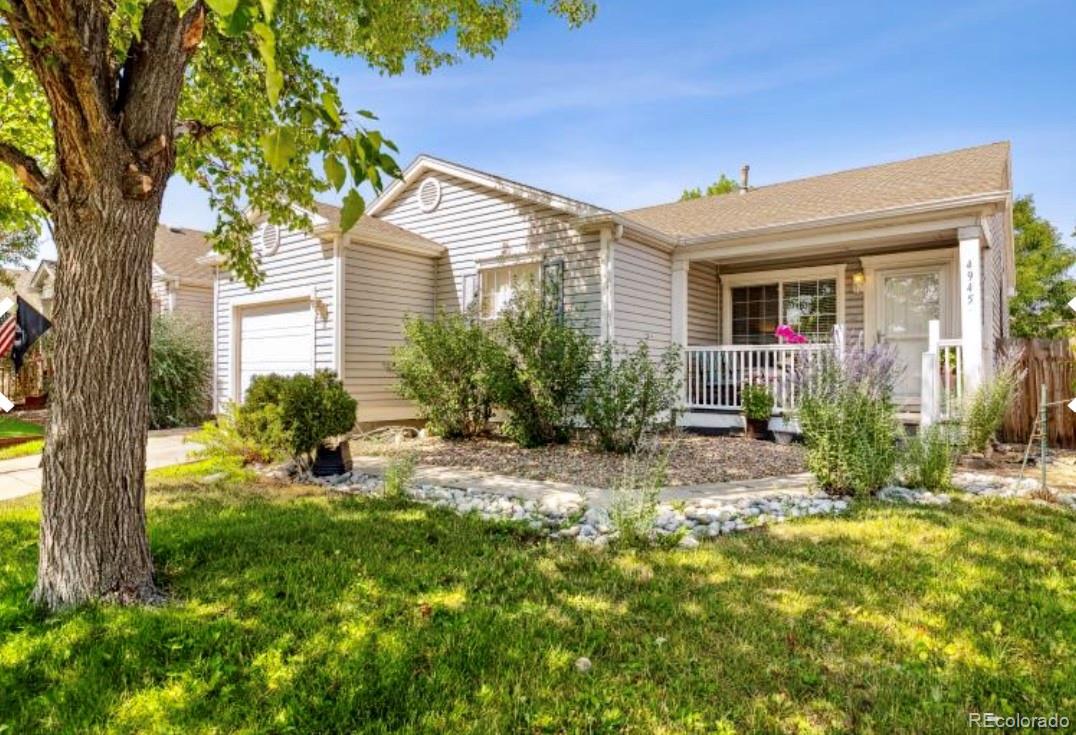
<point x="93" y="525"/>
<point x="113" y="133"/>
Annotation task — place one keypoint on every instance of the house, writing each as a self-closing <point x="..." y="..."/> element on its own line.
<point x="916" y="253"/>
<point x="180" y="283"/>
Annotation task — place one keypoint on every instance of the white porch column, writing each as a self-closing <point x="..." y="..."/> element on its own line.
<point x="679" y="318"/>
<point x="679" y="301"/>
<point x="971" y="305"/>
<point x="928" y="389"/>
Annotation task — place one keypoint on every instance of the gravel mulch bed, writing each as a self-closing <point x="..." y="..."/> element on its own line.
<point x="693" y="459"/>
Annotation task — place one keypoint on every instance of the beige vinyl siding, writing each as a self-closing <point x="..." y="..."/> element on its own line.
<point x="477" y="224"/>
<point x="642" y="295"/>
<point x="381" y="287"/>
<point x="301" y="262"/>
<point x="703" y="305"/>
<point x="194" y="301"/>
<point x="853" y="303"/>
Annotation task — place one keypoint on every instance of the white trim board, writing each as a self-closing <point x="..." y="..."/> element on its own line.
<point x="424" y="164"/>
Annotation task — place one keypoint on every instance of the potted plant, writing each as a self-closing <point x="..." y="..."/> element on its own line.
<point x="757" y="402"/>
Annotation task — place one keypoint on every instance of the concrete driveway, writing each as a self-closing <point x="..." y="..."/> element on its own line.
<point x="22" y="475"/>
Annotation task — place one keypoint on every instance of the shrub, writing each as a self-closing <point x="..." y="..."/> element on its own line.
<point x="630" y="396"/>
<point x="928" y="459"/>
<point x="848" y="419"/>
<point x="539" y="377"/>
<point x="985" y="408"/>
<point x="253" y="436"/>
<point x="444" y="368"/>
<point x="398" y="476"/>
<point x="180" y="369"/>
<point x="635" y="497"/>
<point x="312" y="408"/>
<point x="757" y="401"/>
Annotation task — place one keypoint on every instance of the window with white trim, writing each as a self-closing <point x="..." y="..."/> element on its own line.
<point x="498" y="285"/>
<point x="808" y="306"/>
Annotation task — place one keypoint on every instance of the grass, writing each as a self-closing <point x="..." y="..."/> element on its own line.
<point x="295" y="612"/>
<point x="11" y="426"/>
<point x="26" y="449"/>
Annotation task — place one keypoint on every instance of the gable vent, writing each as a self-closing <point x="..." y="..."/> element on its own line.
<point x="269" y="239"/>
<point x="429" y="195"/>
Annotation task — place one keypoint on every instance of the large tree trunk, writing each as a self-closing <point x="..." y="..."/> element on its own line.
<point x="93" y="523"/>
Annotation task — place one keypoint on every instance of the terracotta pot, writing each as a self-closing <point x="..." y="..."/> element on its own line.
<point x="756" y="428"/>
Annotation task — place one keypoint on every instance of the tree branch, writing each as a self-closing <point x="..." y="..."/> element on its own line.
<point x="29" y="173"/>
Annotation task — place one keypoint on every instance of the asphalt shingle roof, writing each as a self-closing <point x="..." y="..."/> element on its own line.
<point x="978" y="170"/>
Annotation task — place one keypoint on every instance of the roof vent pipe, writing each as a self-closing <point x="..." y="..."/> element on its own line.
<point x="743" y="178"/>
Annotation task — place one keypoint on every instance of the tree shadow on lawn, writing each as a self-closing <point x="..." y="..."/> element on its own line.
<point x="296" y="612"/>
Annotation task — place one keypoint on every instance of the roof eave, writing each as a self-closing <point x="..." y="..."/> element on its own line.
<point x="939" y="206"/>
<point x="423" y="163"/>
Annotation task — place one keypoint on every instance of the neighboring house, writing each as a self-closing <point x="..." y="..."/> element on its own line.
<point x="916" y="253"/>
<point x="180" y="283"/>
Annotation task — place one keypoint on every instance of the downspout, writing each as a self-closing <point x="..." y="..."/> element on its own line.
<point x="606" y="267"/>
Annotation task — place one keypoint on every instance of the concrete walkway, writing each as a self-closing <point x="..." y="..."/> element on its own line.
<point x="22" y="475"/>
<point x="546" y="490"/>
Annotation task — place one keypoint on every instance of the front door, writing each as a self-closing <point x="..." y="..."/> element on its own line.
<point x="908" y="298"/>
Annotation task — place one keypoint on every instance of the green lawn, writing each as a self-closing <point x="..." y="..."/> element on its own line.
<point x="294" y="612"/>
<point x="11" y="426"/>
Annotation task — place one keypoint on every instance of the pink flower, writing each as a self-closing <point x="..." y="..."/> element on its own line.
<point x="790" y="335"/>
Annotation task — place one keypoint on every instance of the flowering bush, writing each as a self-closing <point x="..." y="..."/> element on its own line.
<point x="848" y="418"/>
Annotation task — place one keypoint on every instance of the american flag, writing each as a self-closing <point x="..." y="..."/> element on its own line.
<point x="8" y="322"/>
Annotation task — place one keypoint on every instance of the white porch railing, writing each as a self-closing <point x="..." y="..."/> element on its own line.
<point x="716" y="374"/>
<point x="943" y="378"/>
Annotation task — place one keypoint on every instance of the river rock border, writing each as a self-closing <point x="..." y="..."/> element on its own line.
<point x="565" y="516"/>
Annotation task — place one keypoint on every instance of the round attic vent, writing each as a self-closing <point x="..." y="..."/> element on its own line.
<point x="268" y="239"/>
<point x="429" y="195"/>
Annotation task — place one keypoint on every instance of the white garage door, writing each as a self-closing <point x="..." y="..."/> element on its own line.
<point x="275" y="338"/>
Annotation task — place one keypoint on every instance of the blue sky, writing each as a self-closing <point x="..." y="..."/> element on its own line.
<point x="637" y="105"/>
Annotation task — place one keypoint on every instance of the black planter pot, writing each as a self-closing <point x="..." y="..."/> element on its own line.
<point x="329" y="462"/>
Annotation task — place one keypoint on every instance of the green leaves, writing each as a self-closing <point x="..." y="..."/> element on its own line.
<point x="335" y="171"/>
<point x="279" y="148"/>
<point x="353" y="208"/>
<point x="223" y="8"/>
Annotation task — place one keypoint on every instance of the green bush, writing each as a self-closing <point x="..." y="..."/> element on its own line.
<point x="985" y="408"/>
<point x="444" y="367"/>
<point x="180" y="370"/>
<point x="312" y="408"/>
<point x="848" y="419"/>
<point x="928" y="459"/>
<point x="255" y="436"/>
<point x="629" y="396"/>
<point x="757" y="401"/>
<point x="539" y="379"/>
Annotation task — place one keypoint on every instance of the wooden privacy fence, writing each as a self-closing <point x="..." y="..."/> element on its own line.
<point x="1047" y="361"/>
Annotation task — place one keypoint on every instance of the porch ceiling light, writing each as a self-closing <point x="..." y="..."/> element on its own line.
<point x="858" y="279"/>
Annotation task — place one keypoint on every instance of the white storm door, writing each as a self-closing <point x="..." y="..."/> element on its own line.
<point x="275" y="338"/>
<point x="908" y="299"/>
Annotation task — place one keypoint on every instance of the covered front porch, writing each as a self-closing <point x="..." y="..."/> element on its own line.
<point x="921" y="292"/>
